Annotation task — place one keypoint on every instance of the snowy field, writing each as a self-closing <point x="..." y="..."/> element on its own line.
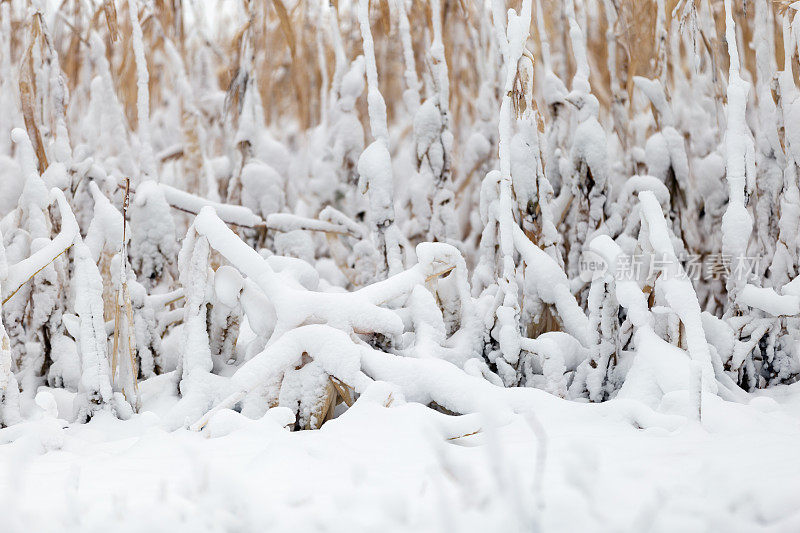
<point x="399" y="265"/>
<point x="603" y="468"/>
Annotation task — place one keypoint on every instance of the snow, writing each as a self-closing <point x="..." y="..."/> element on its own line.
<point x="233" y="214"/>
<point x="553" y="287"/>
<point x="228" y="285"/>
<point x="768" y="300"/>
<point x="375" y="102"/>
<point x="105" y="233"/>
<point x="95" y="385"/>
<point x="21" y="272"/>
<point x="262" y="188"/>
<point x="12" y="178"/>
<point x="427" y="126"/>
<point x="375" y="169"/>
<point x="394" y="468"/>
<point x="153" y="234"/>
<point x="142" y="92"/>
<point x="678" y="289"/>
<point x="737" y="223"/>
<point x="286" y="222"/>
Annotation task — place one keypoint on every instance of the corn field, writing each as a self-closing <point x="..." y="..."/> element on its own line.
<point x="293" y="212"/>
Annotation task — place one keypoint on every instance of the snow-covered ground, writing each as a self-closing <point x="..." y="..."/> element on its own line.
<point x="607" y="467"/>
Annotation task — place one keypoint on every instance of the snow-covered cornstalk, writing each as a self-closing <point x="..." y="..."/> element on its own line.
<point x="375" y="162"/>
<point x="420" y="184"/>
<point x="198" y="175"/>
<point x="512" y="35"/>
<point x="618" y="95"/>
<point x="106" y="128"/>
<point x="554" y="95"/>
<point x="147" y="161"/>
<point x="666" y="159"/>
<point x="123" y="354"/>
<point x="737" y="223"/>
<point x="434" y="138"/>
<point x="94" y="391"/>
<point x="9" y="389"/>
<point x="290" y="302"/>
<point x="784" y="264"/>
<point x="411" y="96"/>
<point x="589" y="180"/>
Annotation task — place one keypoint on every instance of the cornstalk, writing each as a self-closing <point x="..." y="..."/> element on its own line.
<point x="123" y="301"/>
